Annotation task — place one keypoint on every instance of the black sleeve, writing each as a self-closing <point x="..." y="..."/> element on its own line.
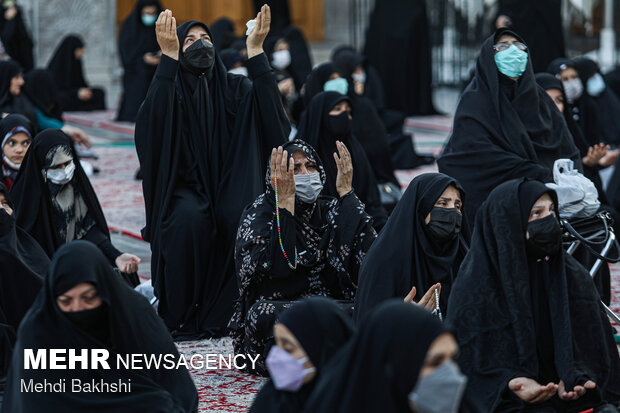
<point x="274" y="123"/>
<point x="97" y="237"/>
<point x="288" y="230"/>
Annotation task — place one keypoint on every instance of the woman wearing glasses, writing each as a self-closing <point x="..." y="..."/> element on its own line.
<point x="505" y="126"/>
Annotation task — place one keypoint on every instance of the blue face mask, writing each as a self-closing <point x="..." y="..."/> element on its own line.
<point x="596" y="85"/>
<point x="512" y="61"/>
<point x="149" y="19"/>
<point x="339" y="85"/>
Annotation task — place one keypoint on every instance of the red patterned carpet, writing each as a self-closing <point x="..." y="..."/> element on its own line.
<point x="123" y="204"/>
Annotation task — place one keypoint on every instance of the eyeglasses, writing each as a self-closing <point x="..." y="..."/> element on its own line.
<point x="500" y="47"/>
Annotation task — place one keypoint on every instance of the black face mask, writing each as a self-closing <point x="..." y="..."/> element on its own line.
<point x="445" y="223"/>
<point x="93" y="321"/>
<point x="7" y="222"/>
<point x="545" y="237"/>
<point x="339" y="125"/>
<point x="200" y="55"/>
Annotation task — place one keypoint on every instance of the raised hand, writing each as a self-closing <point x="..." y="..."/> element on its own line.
<point x="166" y="31"/>
<point x="127" y="263"/>
<point x="344" y="179"/>
<point x="529" y="390"/>
<point x="286" y="178"/>
<point x="428" y="300"/>
<point x="256" y="38"/>
<point x="577" y="391"/>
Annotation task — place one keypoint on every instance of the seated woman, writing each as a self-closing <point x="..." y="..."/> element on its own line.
<point x="527" y="316"/>
<point x="12" y="100"/>
<point x="594" y="157"/>
<point x="328" y="119"/>
<point x="505" y="126"/>
<point x="307" y="335"/>
<point x="56" y="202"/>
<point x="400" y="360"/>
<point x="420" y="249"/>
<point x="292" y="243"/>
<point x="82" y="305"/>
<point x="23" y="264"/>
<point x="16" y="133"/>
<point x="74" y="94"/>
<point x="41" y="90"/>
<point x="605" y="102"/>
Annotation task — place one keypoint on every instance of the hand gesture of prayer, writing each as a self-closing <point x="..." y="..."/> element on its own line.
<point x="530" y="391"/>
<point x="166" y="31"/>
<point x="344" y="179"/>
<point x="609" y="158"/>
<point x="595" y="154"/>
<point x="428" y="300"/>
<point x="577" y="391"/>
<point x="286" y="178"/>
<point x="255" y="39"/>
<point x="127" y="263"/>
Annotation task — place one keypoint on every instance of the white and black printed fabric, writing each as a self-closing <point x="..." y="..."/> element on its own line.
<point x="331" y="237"/>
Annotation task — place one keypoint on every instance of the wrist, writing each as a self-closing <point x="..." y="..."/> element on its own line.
<point x="288" y="204"/>
<point x="173" y="55"/>
<point x="254" y="51"/>
<point x="344" y="192"/>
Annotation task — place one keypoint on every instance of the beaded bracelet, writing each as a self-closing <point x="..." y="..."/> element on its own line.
<point x="292" y="267"/>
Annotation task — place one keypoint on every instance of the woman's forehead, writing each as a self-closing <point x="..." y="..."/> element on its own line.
<point x="196" y="30"/>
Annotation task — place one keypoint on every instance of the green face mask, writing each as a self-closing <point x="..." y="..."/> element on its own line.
<point x="339" y="85"/>
<point x="512" y="61"/>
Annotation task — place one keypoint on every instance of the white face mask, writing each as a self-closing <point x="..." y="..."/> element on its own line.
<point x="281" y="59"/>
<point x="360" y="77"/>
<point x="241" y="70"/>
<point x="308" y="187"/>
<point x="61" y="176"/>
<point x="573" y="89"/>
<point x="11" y="164"/>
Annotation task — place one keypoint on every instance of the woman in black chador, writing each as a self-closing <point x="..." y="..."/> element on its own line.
<point x="310" y="245"/>
<point x="14" y="34"/>
<point x="420" y="249"/>
<point x="73" y="91"/>
<point x="327" y="120"/>
<point x="23" y="265"/>
<point x="505" y="125"/>
<point x="138" y="50"/>
<point x="56" y="203"/>
<point x="83" y="306"/>
<point x="399" y="47"/>
<point x="527" y="316"/>
<point x="203" y="137"/>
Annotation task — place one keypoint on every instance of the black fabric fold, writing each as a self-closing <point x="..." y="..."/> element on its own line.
<point x="133" y="328"/>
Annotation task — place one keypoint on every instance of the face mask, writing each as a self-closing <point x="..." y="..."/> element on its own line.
<point x="360" y="77"/>
<point x="241" y="70"/>
<point x="149" y="19"/>
<point x="11" y="164"/>
<point x="596" y="85"/>
<point x="281" y="59"/>
<point x="445" y="223"/>
<point x="61" y="176"/>
<point x="545" y="237"/>
<point x="93" y="321"/>
<point x="441" y="391"/>
<point x="200" y="55"/>
<point x="286" y="371"/>
<point x="512" y="61"/>
<point x="339" y="85"/>
<point x="339" y="125"/>
<point x="308" y="187"/>
<point x="573" y="89"/>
